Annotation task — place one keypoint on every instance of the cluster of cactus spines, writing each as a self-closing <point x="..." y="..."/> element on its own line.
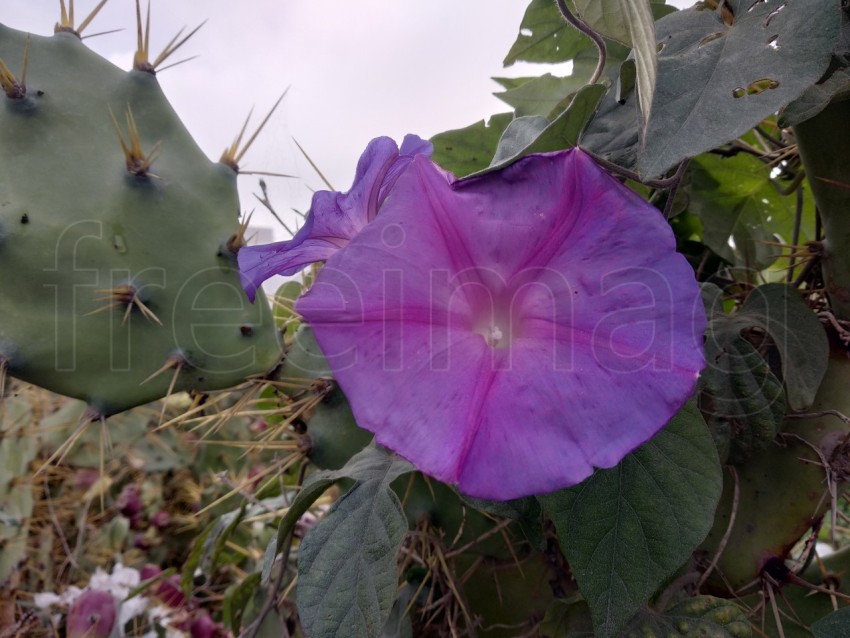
<point x="121" y="234"/>
<point x="14" y="88"/>
<point x="138" y="162"/>
<point x="234" y="153"/>
<point x="141" y="59"/>
<point x="67" y="23"/>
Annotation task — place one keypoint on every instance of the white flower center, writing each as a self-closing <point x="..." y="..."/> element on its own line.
<point x="494" y="339"/>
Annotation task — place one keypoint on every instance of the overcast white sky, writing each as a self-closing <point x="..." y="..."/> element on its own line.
<point x="357" y="69"/>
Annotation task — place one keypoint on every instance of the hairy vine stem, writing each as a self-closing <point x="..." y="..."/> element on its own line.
<point x="597" y="39"/>
<point x="667" y="182"/>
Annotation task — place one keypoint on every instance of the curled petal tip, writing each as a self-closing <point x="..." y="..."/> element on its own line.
<point x="335" y="218"/>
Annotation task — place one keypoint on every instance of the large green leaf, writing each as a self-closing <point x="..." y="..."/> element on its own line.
<point x="542" y="95"/>
<point x="817" y="97"/>
<point x="519" y="135"/>
<point x="742" y="399"/>
<point x="628" y="528"/>
<point x="370" y="463"/>
<point x="833" y="626"/>
<point x="531" y="134"/>
<point x="467" y="150"/>
<point x="698" y="617"/>
<point x="780" y="310"/>
<point x="613" y="132"/>
<point x="716" y="80"/>
<point x="347" y="563"/>
<point x="735" y="199"/>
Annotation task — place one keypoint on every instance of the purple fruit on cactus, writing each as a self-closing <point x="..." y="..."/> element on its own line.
<point x="92" y="615"/>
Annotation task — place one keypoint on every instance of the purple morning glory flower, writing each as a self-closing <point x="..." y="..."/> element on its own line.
<point x="511" y="332"/>
<point x="335" y="218"/>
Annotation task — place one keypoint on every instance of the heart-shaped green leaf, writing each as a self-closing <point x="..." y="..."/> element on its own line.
<point x="347" y="564"/>
<point x="626" y="529"/>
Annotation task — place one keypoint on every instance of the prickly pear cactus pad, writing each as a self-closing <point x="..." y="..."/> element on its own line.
<point x="117" y="236"/>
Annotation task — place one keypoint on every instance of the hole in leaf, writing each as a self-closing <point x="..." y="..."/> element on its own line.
<point x="759" y="86"/>
<point x="660" y="47"/>
<point x="773" y="14"/>
<point x="526" y="32"/>
<point x="727" y="13"/>
<point x="710" y="38"/>
<point x="739" y="92"/>
<point x="773" y="42"/>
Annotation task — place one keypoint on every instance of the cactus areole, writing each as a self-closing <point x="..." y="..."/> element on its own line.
<point x="119" y="281"/>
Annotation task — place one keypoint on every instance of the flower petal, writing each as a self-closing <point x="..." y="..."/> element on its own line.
<point x="500" y="331"/>
<point x="334" y="218"/>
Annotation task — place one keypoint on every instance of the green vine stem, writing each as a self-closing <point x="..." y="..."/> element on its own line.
<point x="824" y="145"/>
